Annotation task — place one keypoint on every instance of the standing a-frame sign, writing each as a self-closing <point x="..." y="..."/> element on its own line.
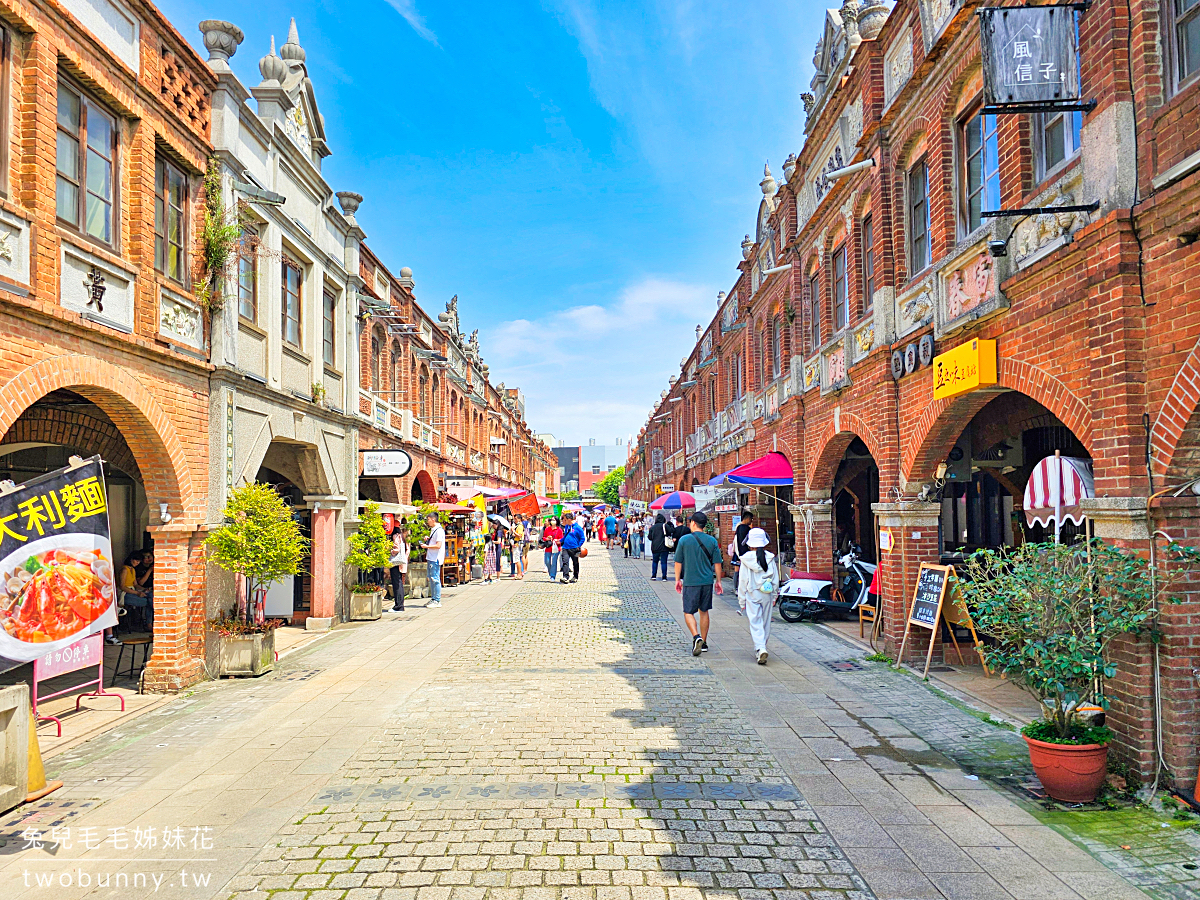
<point x="929" y="607"/>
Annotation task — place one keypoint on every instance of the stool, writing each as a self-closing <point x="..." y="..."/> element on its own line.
<point x="866" y="613"/>
<point x="146" y="643"/>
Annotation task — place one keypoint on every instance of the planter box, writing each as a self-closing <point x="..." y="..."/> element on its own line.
<point x="366" y="607"/>
<point x="248" y="654"/>
<point x="418" y="581"/>
<point x="15" y="719"/>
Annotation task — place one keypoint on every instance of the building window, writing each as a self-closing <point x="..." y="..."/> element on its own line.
<point x="868" y="265"/>
<point x="376" y="361"/>
<point x="814" y="314"/>
<point x="918" y="218"/>
<point x="1056" y="139"/>
<point x="762" y="357"/>
<point x="328" y="327"/>
<point x="394" y="373"/>
<point x="291" y="303"/>
<point x="777" y="348"/>
<point x="86" y="153"/>
<point x="170" y="216"/>
<point x="841" y="302"/>
<point x="980" y="175"/>
<point x="1185" y="38"/>
<point x="248" y="275"/>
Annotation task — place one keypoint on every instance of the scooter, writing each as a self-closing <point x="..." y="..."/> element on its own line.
<point x="806" y="595"/>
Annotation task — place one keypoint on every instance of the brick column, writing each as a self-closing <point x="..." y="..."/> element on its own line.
<point x="914" y="528"/>
<point x="324" y="564"/>
<point x="173" y="665"/>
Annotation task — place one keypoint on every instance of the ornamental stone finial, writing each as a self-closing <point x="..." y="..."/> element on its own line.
<point x="273" y="69"/>
<point x="221" y="39"/>
<point x="768" y="185"/>
<point x="292" y="51"/>
<point x="349" y="201"/>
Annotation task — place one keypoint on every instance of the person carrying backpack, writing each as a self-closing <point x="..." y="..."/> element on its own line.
<point x="697" y="578"/>
<point x="757" y="587"/>
<point x="658" y="546"/>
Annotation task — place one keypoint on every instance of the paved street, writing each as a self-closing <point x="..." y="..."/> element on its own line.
<point x="541" y="741"/>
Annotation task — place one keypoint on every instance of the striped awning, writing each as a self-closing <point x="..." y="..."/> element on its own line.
<point x="1058" y="483"/>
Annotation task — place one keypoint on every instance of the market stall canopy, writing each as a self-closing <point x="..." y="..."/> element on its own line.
<point x="454" y="508"/>
<point x="772" y="470"/>
<point x="396" y="509"/>
<point x="1055" y="488"/>
<point x="675" y="500"/>
<point x="494" y="495"/>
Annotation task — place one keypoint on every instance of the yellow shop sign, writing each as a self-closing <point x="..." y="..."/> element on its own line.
<point x="967" y="367"/>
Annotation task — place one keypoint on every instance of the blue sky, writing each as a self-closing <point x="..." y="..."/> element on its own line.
<point x="580" y="173"/>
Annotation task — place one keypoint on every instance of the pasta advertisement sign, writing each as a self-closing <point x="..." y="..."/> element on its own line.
<point x="56" y="566"/>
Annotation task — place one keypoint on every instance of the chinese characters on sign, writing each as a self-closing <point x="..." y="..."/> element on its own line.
<point x="56" y="567"/>
<point x="94" y="282"/>
<point x="967" y="367"/>
<point x="1029" y="54"/>
<point x="137" y="837"/>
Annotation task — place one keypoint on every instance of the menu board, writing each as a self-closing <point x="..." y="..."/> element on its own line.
<point x="928" y="595"/>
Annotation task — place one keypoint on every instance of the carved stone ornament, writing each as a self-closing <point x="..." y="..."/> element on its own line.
<point x="854" y="123"/>
<point x="836" y="362"/>
<point x="935" y="14"/>
<point x="916" y="309"/>
<point x="968" y="286"/>
<point x="865" y="339"/>
<point x="6" y="250"/>
<point x="1033" y="238"/>
<point x="812" y="374"/>
<point x="94" y="282"/>
<point x="897" y="66"/>
<point x="179" y="321"/>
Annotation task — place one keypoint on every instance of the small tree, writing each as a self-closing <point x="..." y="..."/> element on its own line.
<point x="608" y="488"/>
<point x="259" y="540"/>
<point x="370" y="547"/>
<point x="1054" y="611"/>
<point x="418" y="528"/>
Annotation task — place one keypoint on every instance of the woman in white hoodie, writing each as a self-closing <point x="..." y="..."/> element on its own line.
<point x="757" y="585"/>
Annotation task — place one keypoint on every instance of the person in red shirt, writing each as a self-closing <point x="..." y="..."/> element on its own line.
<point x="552" y="536"/>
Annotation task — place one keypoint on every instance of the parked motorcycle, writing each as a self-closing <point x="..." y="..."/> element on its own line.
<point x="806" y="595"/>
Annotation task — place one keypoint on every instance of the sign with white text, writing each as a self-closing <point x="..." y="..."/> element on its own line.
<point x="1029" y="54"/>
<point x="386" y="463"/>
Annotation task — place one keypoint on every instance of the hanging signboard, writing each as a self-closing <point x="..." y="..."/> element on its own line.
<point x="386" y="463"/>
<point x="1029" y="55"/>
<point x="56" y="565"/>
<point x="965" y="368"/>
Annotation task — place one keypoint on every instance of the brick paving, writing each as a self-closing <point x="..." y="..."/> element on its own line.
<point x="570" y="749"/>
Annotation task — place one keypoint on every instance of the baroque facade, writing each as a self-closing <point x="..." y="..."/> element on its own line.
<point x="871" y="259"/>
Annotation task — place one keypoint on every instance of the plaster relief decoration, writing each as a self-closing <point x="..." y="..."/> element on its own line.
<point x="706" y="346"/>
<point x="729" y="314"/>
<point x="760" y="406"/>
<point x="897" y="66"/>
<point x="864" y="340"/>
<point x="476" y="459"/>
<point x="812" y="373"/>
<point x="835" y="369"/>
<point x="821" y="184"/>
<point x="96" y="289"/>
<point x="180" y="320"/>
<point x="853" y="122"/>
<point x="969" y="289"/>
<point x="935" y="16"/>
<point x="771" y="410"/>
<point x="915" y="307"/>
<point x="14" y="248"/>
<point x="1036" y="237"/>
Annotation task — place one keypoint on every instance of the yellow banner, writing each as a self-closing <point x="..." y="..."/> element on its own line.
<point x="965" y="368"/>
<point x="481" y="504"/>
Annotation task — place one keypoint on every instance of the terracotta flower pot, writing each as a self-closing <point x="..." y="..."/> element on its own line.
<point x="1072" y="773"/>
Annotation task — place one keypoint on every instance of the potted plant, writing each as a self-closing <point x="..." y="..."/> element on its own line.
<point x="418" y="534"/>
<point x="370" y="551"/>
<point x="261" y="542"/>
<point x="1054" y="612"/>
<point x="318" y="393"/>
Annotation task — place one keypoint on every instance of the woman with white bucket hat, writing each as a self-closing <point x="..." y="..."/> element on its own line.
<point x="757" y="586"/>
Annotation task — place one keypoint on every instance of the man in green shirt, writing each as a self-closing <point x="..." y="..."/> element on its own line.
<point x="697" y="577"/>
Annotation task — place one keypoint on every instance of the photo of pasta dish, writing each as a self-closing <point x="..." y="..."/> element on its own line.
<point x="54" y="594"/>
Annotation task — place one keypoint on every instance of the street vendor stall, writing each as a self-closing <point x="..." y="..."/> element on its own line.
<point x="456" y="569"/>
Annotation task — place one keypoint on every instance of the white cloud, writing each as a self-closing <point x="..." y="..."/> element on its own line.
<point x="408" y="11"/>
<point x="594" y="371"/>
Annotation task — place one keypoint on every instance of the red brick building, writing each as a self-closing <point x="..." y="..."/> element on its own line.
<point x="872" y="258"/>
<point x="104" y="118"/>
<point x="424" y="389"/>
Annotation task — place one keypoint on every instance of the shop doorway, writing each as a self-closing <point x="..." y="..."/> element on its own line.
<point x="292" y="597"/>
<point x="986" y="472"/>
<point x="855" y="490"/>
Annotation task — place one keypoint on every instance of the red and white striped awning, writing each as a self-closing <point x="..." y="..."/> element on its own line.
<point x="1058" y="482"/>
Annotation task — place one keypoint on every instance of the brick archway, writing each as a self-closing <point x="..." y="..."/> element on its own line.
<point x="943" y="420"/>
<point x="833" y="443"/>
<point x="81" y="430"/>
<point x="134" y="411"/>
<point x="1175" y="419"/>
<point x="424" y="481"/>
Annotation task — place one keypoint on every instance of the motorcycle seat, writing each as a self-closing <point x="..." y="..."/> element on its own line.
<point x="810" y="576"/>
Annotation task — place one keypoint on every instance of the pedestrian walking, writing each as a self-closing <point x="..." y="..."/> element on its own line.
<point x="623" y="534"/>
<point x="515" y="562"/>
<point x="491" y="557"/>
<point x="697" y="578"/>
<point x="757" y="588"/>
<point x="399" y="566"/>
<point x="738" y="545"/>
<point x="552" y="536"/>
<point x="610" y="530"/>
<point x="658" y="546"/>
<point x="435" y="553"/>
<point x="572" y="543"/>
<point x="635" y="536"/>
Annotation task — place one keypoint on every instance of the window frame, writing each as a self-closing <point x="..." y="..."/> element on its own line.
<point x="840" y="298"/>
<point x="1174" y="47"/>
<point x="1072" y="130"/>
<point x="814" y="313"/>
<point x="918" y="174"/>
<point x="167" y="167"/>
<point x="376" y="361"/>
<point x="289" y="263"/>
<point x="967" y="191"/>
<point x="88" y="104"/>
<point x="328" y="327"/>
<point x="247" y="254"/>
<point x="867" y="260"/>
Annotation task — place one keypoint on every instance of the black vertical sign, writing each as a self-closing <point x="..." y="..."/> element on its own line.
<point x="57" y="578"/>
<point x="1029" y="55"/>
<point x="927" y="598"/>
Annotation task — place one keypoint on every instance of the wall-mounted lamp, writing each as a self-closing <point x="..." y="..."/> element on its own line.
<point x="163" y="515"/>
